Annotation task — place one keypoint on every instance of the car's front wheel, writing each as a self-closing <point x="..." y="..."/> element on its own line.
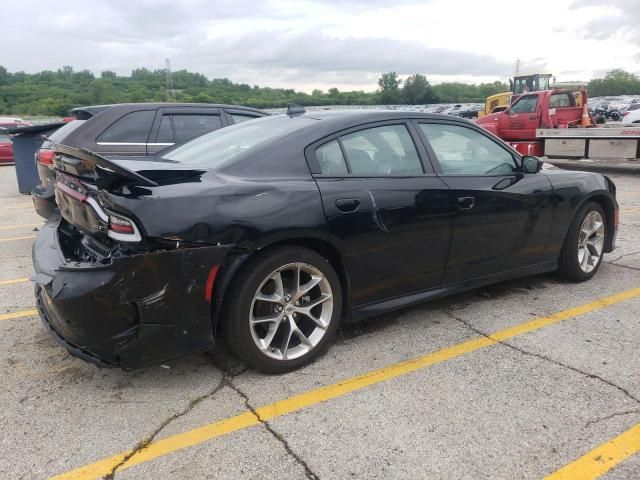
<point x="583" y="247"/>
<point x="283" y="309"/>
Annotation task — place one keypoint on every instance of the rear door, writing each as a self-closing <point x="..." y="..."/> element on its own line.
<point x="179" y="124"/>
<point x="522" y="119"/>
<point x="503" y="215"/>
<point x="385" y="208"/>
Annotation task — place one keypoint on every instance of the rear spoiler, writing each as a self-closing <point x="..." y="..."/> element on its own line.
<point x="84" y="155"/>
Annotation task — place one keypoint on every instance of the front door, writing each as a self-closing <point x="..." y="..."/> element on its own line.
<point x="389" y="214"/>
<point x="521" y="120"/>
<point x="503" y="215"/>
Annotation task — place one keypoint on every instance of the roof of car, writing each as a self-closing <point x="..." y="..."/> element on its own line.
<point x="86" y="112"/>
<point x="173" y="105"/>
<point x="338" y="117"/>
<point x="315" y="125"/>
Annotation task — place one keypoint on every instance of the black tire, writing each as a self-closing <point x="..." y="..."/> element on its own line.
<point x="568" y="265"/>
<point x="237" y="306"/>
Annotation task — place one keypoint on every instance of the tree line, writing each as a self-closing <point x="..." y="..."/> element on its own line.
<point x="52" y="93"/>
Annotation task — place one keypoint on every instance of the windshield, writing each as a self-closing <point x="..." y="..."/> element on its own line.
<point x="220" y="147"/>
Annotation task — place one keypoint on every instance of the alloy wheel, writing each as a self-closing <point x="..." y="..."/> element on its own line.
<point x="291" y="311"/>
<point x="591" y="241"/>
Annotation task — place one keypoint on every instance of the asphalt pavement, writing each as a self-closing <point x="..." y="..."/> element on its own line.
<point x="525" y="379"/>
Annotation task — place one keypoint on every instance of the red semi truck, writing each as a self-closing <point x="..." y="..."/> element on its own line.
<point x="545" y="109"/>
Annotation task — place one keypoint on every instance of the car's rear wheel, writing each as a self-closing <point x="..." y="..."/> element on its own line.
<point x="583" y="247"/>
<point x="283" y="309"/>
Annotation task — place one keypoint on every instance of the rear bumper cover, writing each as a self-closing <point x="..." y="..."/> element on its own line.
<point x="130" y="312"/>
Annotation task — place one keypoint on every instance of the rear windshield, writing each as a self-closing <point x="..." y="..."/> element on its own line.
<point x="59" y="135"/>
<point x="221" y="147"/>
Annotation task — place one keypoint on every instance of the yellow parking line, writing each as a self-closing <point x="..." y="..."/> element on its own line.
<point x="24" y="225"/>
<point x="19" y="207"/>
<point x="14" y="280"/>
<point x="19" y="314"/>
<point x="630" y="210"/>
<point x="282" y="407"/>
<point x="10" y="239"/>
<point x="602" y="458"/>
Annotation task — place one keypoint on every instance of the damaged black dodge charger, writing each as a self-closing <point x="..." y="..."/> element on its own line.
<point x="270" y="232"/>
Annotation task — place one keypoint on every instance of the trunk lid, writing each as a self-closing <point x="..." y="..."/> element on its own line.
<point x="82" y="177"/>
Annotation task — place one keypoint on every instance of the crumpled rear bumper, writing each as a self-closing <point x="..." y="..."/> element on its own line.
<point x="130" y="311"/>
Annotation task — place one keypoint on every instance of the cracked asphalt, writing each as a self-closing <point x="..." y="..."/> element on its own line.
<point x="516" y="408"/>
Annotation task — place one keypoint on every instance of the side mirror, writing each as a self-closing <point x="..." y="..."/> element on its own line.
<point x="531" y="164"/>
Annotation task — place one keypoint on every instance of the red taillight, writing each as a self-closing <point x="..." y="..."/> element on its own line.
<point x="120" y="225"/>
<point x="45" y="156"/>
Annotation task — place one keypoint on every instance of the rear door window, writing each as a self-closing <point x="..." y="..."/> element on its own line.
<point x="562" y="100"/>
<point x="188" y="126"/>
<point x="134" y="127"/>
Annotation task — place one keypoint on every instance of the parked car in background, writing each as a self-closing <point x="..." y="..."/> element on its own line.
<point x="631" y="116"/>
<point x="13" y="122"/>
<point x="6" y="148"/>
<point x="131" y="129"/>
<point x="452" y="110"/>
<point x="468" y="111"/>
<point x="272" y="232"/>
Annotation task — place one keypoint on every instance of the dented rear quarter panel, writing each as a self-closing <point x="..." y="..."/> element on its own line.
<point x="247" y="212"/>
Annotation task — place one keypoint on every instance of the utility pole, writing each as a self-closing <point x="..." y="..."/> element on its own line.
<point x="516" y="67"/>
<point x="167" y="64"/>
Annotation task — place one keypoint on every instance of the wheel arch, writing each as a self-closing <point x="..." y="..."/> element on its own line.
<point x="608" y="206"/>
<point x="229" y="270"/>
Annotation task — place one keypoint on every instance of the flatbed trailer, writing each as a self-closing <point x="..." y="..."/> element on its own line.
<point x="614" y="142"/>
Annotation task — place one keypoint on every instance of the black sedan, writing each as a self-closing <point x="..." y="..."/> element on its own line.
<point x="271" y="232"/>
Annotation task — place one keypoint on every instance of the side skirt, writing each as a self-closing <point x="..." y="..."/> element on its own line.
<point x="377" y="308"/>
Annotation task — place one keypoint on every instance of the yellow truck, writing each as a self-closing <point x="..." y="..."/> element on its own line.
<point x="519" y="85"/>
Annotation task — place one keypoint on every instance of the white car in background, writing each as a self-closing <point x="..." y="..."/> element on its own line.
<point x="632" y="115"/>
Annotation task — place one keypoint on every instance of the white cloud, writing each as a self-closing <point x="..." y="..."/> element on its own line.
<point x="310" y="44"/>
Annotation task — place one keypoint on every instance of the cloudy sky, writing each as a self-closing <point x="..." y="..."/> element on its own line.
<point x="307" y="44"/>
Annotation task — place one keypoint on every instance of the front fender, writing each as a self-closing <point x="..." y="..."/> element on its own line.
<point x="571" y="190"/>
